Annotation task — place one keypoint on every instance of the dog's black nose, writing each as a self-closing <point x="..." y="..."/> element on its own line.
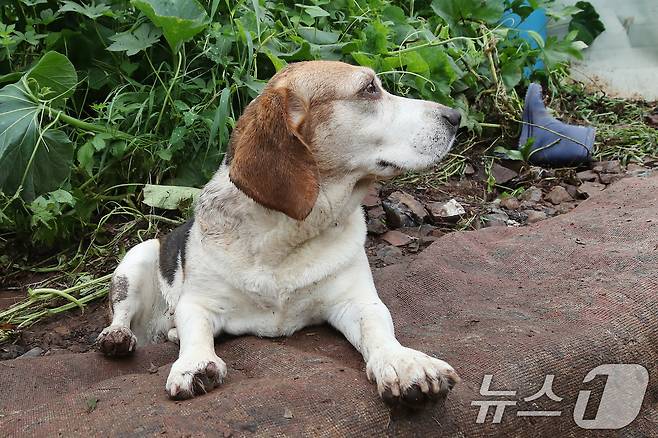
<point x="454" y="117"/>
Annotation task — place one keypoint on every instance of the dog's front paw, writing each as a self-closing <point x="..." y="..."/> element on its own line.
<point x="194" y="376"/>
<point x="410" y="377"/>
<point x="116" y="340"/>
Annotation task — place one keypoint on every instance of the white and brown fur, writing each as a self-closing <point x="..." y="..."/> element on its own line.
<point x="277" y="238"/>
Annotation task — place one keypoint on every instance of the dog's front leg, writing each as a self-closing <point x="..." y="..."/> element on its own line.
<point x="402" y="374"/>
<point x="198" y="369"/>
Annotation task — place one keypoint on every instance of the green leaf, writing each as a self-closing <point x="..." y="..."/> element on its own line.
<point x="90" y="11"/>
<point x="134" y="41"/>
<point x="85" y="157"/>
<point x="512" y="73"/>
<point x="219" y="121"/>
<point x="31" y="160"/>
<point x="313" y="11"/>
<point x="510" y="154"/>
<point x="37" y="164"/>
<point x="587" y="23"/>
<point x="180" y="20"/>
<point x="55" y="72"/>
<point x="169" y="197"/>
<point x="456" y="12"/>
<point x="316" y="36"/>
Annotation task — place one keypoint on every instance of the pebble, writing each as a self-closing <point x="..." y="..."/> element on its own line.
<point x="533" y="194"/>
<point x="34" y="352"/>
<point x="558" y="194"/>
<point x="535" y="216"/>
<point x="396" y="238"/>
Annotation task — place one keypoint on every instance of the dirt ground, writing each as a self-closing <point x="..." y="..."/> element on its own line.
<point x="402" y="221"/>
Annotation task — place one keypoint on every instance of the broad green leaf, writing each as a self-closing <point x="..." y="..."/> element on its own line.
<point x="91" y="11"/>
<point x="170" y="197"/>
<point x="55" y="72"/>
<point x="512" y="73"/>
<point x="456" y="12"/>
<point x="313" y="11"/>
<point x="40" y="163"/>
<point x="587" y="22"/>
<point x="316" y="36"/>
<point x="180" y="20"/>
<point x="132" y="42"/>
<point x="33" y="160"/>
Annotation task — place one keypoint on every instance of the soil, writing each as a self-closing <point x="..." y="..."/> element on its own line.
<point x="76" y="331"/>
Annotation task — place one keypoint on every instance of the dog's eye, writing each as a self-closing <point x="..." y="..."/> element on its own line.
<point x="371" y="88"/>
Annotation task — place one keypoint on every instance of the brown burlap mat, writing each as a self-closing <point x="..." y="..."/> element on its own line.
<point x="560" y="297"/>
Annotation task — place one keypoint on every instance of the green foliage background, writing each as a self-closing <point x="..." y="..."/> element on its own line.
<point x="101" y="98"/>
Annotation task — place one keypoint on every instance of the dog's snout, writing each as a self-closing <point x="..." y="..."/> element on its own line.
<point x="453" y="117"/>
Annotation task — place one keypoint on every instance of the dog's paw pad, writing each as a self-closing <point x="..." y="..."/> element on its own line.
<point x="188" y="379"/>
<point x="116" y="341"/>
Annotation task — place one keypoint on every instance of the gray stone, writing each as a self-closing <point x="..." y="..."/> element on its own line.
<point x="35" y="352"/>
<point x="375" y="220"/>
<point x="588" y="175"/>
<point x="590" y="188"/>
<point x="609" y="178"/>
<point x="494" y="220"/>
<point x="449" y="211"/>
<point x="403" y="210"/>
<point x="502" y="174"/>
<point x="389" y="254"/>
<point x="532" y="194"/>
<point x="535" y="216"/>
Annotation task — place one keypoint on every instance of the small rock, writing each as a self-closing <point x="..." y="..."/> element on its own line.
<point x="652" y="119"/>
<point x="558" y="195"/>
<point x="535" y="216"/>
<point x="550" y="211"/>
<point x="565" y="207"/>
<point x="403" y="210"/>
<point x="510" y="203"/>
<point x="372" y="197"/>
<point x="494" y="220"/>
<point x="571" y="190"/>
<point x="612" y="166"/>
<point x="609" y="178"/>
<point x="502" y="174"/>
<point x="11" y="351"/>
<point x="389" y="254"/>
<point x="634" y="167"/>
<point x="532" y="194"/>
<point x="590" y="188"/>
<point x="449" y="211"/>
<point x="588" y="175"/>
<point x="35" y="352"/>
<point x="397" y="238"/>
<point x="375" y="218"/>
<point x="62" y="330"/>
<point x="287" y="413"/>
<point x="469" y="170"/>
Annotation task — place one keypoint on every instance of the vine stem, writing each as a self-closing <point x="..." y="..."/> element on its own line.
<point x="77" y="123"/>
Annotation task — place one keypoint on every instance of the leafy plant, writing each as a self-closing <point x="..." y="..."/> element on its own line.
<point x="95" y="103"/>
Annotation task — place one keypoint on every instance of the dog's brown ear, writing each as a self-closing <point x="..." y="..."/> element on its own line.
<point x="269" y="161"/>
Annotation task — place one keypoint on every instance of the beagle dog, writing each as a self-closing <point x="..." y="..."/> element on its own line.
<point x="277" y="238"/>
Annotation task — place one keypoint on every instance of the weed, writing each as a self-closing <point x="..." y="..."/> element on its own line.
<point x="100" y="99"/>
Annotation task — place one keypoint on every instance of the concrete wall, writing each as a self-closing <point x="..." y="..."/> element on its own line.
<point x="623" y="59"/>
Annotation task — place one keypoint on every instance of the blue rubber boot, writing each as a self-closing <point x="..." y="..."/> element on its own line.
<point x="555" y="142"/>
